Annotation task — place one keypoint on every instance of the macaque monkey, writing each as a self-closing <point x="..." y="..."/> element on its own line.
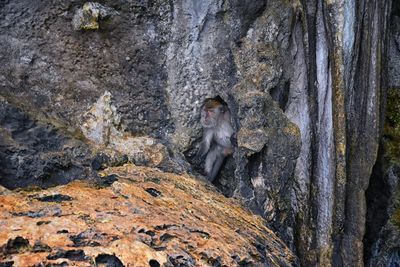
<point x="217" y="132"/>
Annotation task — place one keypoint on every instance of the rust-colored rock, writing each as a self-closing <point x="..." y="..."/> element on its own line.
<point x="137" y="217"/>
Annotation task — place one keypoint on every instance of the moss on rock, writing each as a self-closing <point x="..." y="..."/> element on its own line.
<point x="392" y="127"/>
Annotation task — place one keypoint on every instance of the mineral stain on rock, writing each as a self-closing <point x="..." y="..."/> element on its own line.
<point x="73" y="255"/>
<point x="92" y="238"/>
<point x="106" y="260"/>
<point x="183" y="260"/>
<point x="107" y="180"/>
<point x="7" y="264"/>
<point x="40" y="247"/>
<point x="54" y="198"/>
<point x="15" y="245"/>
<point x="154" y="263"/>
<point x="42" y="222"/>
<point x="91" y="15"/>
<point x="46" y="211"/>
<point x="166" y="237"/>
<point x="154" y="192"/>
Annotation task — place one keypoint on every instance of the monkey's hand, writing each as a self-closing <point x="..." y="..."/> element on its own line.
<point x="227" y="151"/>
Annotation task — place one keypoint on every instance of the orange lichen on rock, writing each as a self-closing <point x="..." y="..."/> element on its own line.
<point x="138" y="217"/>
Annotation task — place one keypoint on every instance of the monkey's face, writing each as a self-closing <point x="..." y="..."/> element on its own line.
<point x="209" y="116"/>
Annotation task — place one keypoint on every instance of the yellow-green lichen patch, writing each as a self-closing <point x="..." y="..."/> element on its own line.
<point x="395" y="219"/>
<point x="392" y="126"/>
<point x="90" y="15"/>
<point x="393" y="109"/>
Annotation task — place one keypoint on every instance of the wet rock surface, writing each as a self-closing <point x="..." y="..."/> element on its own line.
<point x="190" y="224"/>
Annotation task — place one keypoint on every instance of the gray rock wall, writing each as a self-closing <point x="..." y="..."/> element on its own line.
<point x="382" y="238"/>
<point x="345" y="48"/>
<point x="305" y="82"/>
<point x="49" y="66"/>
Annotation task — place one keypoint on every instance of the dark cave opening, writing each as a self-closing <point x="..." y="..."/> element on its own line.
<point x="377" y="197"/>
<point x="223" y="180"/>
<point x="395" y="8"/>
<point x="281" y="94"/>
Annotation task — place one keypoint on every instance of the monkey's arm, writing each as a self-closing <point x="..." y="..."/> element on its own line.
<point x="224" y="141"/>
<point x="205" y="144"/>
<point x="224" y="135"/>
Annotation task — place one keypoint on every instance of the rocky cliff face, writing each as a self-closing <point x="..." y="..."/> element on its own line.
<point x="90" y="85"/>
<point x="382" y="235"/>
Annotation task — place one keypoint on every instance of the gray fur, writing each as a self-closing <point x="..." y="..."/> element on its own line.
<point x="216" y="143"/>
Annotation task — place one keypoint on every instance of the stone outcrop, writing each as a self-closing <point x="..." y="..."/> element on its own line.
<point x="91" y="15"/>
<point x="135" y="216"/>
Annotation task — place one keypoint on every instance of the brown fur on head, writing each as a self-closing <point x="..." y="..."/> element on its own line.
<point x="211" y="103"/>
<point x="214" y="103"/>
<point x="211" y="111"/>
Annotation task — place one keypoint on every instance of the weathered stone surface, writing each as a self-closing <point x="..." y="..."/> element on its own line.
<point x="116" y="84"/>
<point x="35" y="153"/>
<point x="103" y="127"/>
<point x="50" y="67"/>
<point x="188" y="223"/>
<point x="382" y="238"/>
<point x="268" y="143"/>
<point x="394" y="47"/>
<point x="41" y="151"/>
<point x="304" y="80"/>
<point x="261" y="170"/>
<point x="345" y="86"/>
<point x="4" y="191"/>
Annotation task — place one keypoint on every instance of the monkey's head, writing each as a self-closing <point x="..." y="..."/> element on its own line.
<point x="211" y="110"/>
